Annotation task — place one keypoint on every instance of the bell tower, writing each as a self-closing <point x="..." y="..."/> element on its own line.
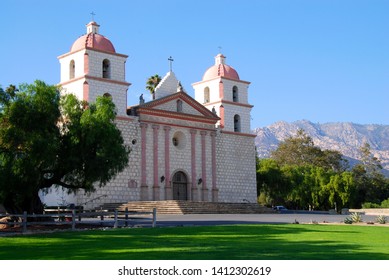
<point x="93" y="68"/>
<point x="222" y="91"/>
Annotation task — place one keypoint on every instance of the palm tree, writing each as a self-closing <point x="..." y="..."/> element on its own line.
<point x="152" y="83"/>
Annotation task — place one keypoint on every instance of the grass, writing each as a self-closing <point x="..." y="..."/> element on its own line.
<point x="252" y="242"/>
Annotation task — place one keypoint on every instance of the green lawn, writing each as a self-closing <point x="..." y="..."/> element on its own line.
<point x="273" y="242"/>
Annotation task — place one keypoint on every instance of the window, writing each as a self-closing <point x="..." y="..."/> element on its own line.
<point x="235" y="94"/>
<point x="106" y="69"/>
<point x="107" y="95"/>
<point x="179" y="140"/>
<point x="236" y="123"/>
<point x="206" y="95"/>
<point x="179" y="106"/>
<point x="72" y="69"/>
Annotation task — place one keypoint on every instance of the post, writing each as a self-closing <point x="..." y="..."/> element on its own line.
<point x="154" y="217"/>
<point x="115" y="225"/>
<point x="24" y="221"/>
<point x="102" y="219"/>
<point x="73" y="219"/>
<point x="126" y="217"/>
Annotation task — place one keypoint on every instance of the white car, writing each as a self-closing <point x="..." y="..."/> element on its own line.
<point x="280" y="208"/>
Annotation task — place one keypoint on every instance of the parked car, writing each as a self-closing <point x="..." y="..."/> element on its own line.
<point x="280" y="208"/>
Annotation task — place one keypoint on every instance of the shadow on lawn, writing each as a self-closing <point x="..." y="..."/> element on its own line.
<point x="274" y="242"/>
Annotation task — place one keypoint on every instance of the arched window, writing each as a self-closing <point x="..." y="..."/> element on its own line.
<point x="236" y="123"/>
<point x="235" y="96"/>
<point x="206" y="95"/>
<point x="72" y="69"/>
<point x="107" y="95"/>
<point x="179" y="106"/>
<point x="106" y="69"/>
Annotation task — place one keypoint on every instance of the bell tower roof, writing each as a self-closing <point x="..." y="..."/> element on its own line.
<point x="220" y="69"/>
<point x="93" y="40"/>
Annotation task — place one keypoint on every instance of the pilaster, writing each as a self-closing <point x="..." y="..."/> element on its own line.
<point x="193" y="192"/>
<point x="168" y="187"/>
<point x="204" y="190"/>
<point x="156" y="188"/>
<point x="215" y="191"/>
<point x="144" y="191"/>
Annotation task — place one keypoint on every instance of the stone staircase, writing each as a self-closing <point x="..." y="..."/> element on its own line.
<point x="188" y="207"/>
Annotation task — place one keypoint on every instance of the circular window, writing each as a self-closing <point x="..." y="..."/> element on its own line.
<point x="179" y="140"/>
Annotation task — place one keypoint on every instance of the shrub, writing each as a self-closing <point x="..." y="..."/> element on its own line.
<point x="381" y="219"/>
<point x="348" y="220"/>
<point x="385" y="203"/>
<point x="370" y="205"/>
<point x="356" y="217"/>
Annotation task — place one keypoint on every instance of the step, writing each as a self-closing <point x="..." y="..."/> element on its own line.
<point x="188" y="207"/>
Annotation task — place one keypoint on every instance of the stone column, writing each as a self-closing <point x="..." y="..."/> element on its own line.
<point x="156" y="189"/>
<point x="215" y="191"/>
<point x="168" y="187"/>
<point x="204" y="190"/>
<point x="144" y="190"/>
<point x="193" y="191"/>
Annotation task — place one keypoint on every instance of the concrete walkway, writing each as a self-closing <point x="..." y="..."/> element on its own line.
<point x="225" y="219"/>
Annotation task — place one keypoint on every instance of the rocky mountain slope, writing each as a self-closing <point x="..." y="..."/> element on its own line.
<point x="344" y="137"/>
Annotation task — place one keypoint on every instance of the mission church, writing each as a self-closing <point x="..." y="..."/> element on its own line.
<point x="182" y="148"/>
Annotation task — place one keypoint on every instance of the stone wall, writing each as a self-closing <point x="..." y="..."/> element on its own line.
<point x="126" y="185"/>
<point x="236" y="174"/>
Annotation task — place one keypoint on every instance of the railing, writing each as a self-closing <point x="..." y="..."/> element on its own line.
<point x="74" y="217"/>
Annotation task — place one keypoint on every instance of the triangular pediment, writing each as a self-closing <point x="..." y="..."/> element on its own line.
<point x="178" y="105"/>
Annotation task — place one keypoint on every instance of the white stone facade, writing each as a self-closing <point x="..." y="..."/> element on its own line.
<point x="180" y="149"/>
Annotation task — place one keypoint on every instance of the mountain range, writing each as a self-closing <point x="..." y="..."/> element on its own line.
<point x="344" y="137"/>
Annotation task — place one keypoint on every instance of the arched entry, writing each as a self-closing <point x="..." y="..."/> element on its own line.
<point x="180" y="183"/>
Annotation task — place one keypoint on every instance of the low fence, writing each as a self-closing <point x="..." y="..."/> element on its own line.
<point x="73" y="217"/>
<point x="372" y="211"/>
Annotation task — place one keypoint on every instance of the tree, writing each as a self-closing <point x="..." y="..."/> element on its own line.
<point x="152" y="83"/>
<point x="300" y="150"/>
<point x="271" y="184"/>
<point x="371" y="184"/>
<point x="51" y="140"/>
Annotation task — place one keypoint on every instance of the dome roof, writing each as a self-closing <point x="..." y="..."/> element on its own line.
<point x="220" y="69"/>
<point x="93" y="40"/>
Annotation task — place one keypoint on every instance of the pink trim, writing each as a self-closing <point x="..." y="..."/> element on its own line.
<point x="168" y="195"/>
<point x="86" y="63"/>
<point x="232" y="103"/>
<point x="175" y="125"/>
<point x="221" y="89"/>
<point x="193" y="165"/>
<point x="85" y="91"/>
<point x="143" y="128"/>
<point x="224" y="78"/>
<point x="91" y="49"/>
<point x="213" y="159"/>
<point x="155" y="153"/>
<point x="97" y="79"/>
<point x="221" y="116"/>
<point x="107" y="80"/>
<point x="179" y="96"/>
<point x="204" y="192"/>
<point x="156" y="195"/>
<point x="181" y="116"/>
<point x="239" y="133"/>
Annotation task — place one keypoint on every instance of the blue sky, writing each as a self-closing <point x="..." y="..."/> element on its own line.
<point x="320" y="60"/>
